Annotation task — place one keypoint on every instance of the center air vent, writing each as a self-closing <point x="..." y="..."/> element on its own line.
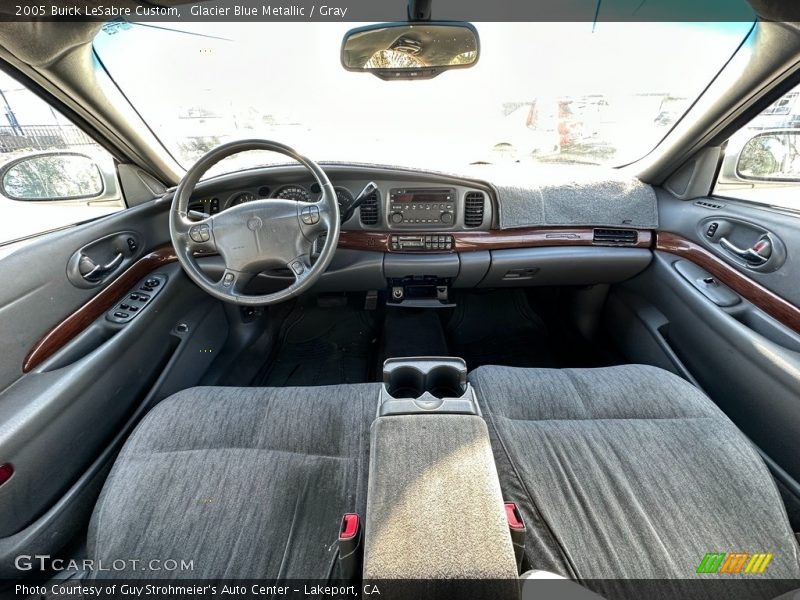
<point x="615" y="237"/>
<point x="473" y="209"/>
<point x="369" y="210"/>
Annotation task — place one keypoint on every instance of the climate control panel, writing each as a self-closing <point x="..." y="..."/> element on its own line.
<point x="421" y="243"/>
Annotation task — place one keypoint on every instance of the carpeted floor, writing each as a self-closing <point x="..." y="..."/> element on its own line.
<point x="499" y="328"/>
<point x="322" y="346"/>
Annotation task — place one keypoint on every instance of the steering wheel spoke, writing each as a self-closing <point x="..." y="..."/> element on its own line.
<point x="315" y="218"/>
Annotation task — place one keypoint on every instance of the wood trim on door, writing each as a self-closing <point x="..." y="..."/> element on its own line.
<point x="772" y="304"/>
<point x="75" y="323"/>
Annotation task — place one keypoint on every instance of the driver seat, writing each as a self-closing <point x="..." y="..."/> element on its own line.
<point x="243" y="482"/>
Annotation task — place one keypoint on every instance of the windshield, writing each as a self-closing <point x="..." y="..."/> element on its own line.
<point x="540" y="92"/>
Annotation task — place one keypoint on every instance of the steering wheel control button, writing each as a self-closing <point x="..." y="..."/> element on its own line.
<point x="133" y="303"/>
<point x="227" y="280"/>
<point x="310" y="215"/>
<point x="200" y="233"/>
<point x="297" y="267"/>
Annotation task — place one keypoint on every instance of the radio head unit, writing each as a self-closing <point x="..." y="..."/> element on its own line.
<point x="431" y="207"/>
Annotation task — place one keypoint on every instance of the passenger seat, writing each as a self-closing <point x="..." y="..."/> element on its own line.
<point x="629" y="472"/>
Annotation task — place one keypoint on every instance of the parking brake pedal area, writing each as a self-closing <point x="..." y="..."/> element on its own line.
<point x="136" y="300"/>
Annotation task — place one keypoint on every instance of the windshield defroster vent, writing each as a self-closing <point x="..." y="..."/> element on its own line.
<point x="473" y="209"/>
<point x="369" y="210"/>
<point x="615" y="237"/>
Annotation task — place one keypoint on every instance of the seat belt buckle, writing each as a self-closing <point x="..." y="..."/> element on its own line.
<point x="350" y="548"/>
<point x="516" y="526"/>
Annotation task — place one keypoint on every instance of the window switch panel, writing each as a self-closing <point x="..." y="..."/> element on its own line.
<point x="134" y="301"/>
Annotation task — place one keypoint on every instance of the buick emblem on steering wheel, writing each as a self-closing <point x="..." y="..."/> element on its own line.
<point x="254" y="223"/>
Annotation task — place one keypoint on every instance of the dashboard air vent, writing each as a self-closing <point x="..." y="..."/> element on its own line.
<point x="369" y="210"/>
<point x="615" y="237"/>
<point x="473" y="209"/>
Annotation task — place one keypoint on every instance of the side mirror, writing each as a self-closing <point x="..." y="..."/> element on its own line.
<point x="771" y="156"/>
<point x="54" y="176"/>
<point x="419" y="50"/>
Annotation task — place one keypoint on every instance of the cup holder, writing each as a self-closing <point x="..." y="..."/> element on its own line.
<point x="406" y="381"/>
<point x="426" y="384"/>
<point x="444" y="381"/>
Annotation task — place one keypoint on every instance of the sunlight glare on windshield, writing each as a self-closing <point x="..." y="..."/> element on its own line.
<point x="540" y="92"/>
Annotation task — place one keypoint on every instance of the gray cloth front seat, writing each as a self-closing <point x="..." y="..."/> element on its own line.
<point x="629" y="472"/>
<point x="244" y="482"/>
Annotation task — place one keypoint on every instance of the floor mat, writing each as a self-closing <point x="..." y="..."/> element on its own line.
<point x="322" y="346"/>
<point x="499" y="328"/>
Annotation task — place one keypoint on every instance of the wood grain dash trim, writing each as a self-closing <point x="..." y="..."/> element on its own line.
<point x="469" y="241"/>
<point x="772" y="304"/>
<point x="79" y="320"/>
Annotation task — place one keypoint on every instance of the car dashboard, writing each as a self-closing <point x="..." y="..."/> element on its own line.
<point x="402" y="202"/>
<point x="420" y="235"/>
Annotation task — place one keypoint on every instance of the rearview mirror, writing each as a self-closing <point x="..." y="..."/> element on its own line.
<point x="771" y="156"/>
<point x="54" y="176"/>
<point x="419" y="50"/>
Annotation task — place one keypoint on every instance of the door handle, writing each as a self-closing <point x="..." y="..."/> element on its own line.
<point x="93" y="272"/>
<point x="757" y="254"/>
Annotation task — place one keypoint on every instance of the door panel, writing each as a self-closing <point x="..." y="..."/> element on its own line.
<point x="37" y="293"/>
<point x="689" y="219"/>
<point x="94" y="373"/>
<point x="733" y="327"/>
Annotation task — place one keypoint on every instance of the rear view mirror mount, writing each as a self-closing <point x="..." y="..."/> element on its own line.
<point x="413" y="50"/>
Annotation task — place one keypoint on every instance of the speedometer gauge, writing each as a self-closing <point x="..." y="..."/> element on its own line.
<point x="293" y="192"/>
<point x="242" y="198"/>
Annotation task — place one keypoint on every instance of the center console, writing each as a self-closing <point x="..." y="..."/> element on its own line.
<point x="435" y="511"/>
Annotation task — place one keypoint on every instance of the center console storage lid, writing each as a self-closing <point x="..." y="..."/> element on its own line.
<point x="434" y="506"/>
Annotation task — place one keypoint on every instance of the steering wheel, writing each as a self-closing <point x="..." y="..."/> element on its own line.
<point x="257" y="235"/>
